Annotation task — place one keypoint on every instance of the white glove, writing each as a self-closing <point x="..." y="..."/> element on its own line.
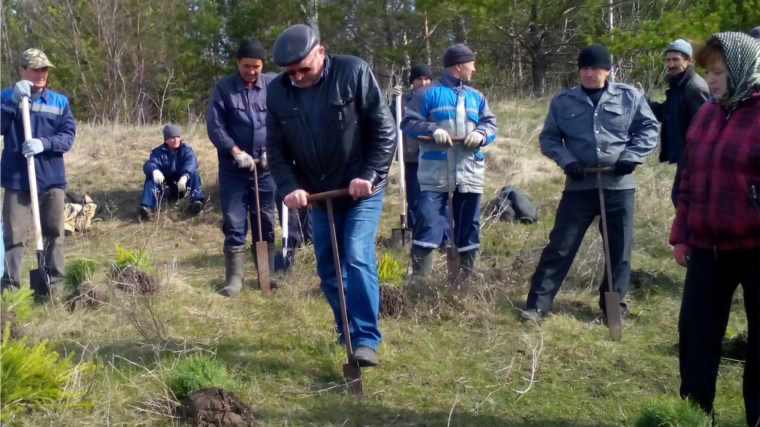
<point x="182" y="184"/>
<point x="32" y="147"/>
<point x="442" y="137"/>
<point x="158" y="177"/>
<point x="474" y="140"/>
<point x="21" y="89"/>
<point x="244" y="160"/>
<point x="397" y="90"/>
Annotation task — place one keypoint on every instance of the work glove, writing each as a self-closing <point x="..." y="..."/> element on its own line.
<point x="624" y="168"/>
<point x="397" y="91"/>
<point x="263" y="162"/>
<point x="182" y="184"/>
<point x="31" y="147"/>
<point x="575" y="171"/>
<point x="158" y="177"/>
<point x="441" y="137"/>
<point x="474" y="140"/>
<point x="21" y="89"/>
<point x="244" y="160"/>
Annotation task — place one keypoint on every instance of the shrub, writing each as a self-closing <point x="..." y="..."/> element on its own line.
<point x="389" y="271"/>
<point x="19" y="303"/>
<point x="196" y="373"/>
<point x="140" y="259"/>
<point x="78" y="272"/>
<point x="672" y="412"/>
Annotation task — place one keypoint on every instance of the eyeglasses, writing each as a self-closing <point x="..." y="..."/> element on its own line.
<point x="302" y="70"/>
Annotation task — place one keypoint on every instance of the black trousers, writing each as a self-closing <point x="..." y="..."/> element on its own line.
<point x="711" y="280"/>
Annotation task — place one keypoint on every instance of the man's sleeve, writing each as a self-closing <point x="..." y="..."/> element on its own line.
<point x="551" y="140"/>
<point x="486" y="122"/>
<point x="696" y="98"/>
<point x="151" y="164"/>
<point x="657" y="109"/>
<point x="8" y="112"/>
<point x="65" y="131"/>
<point x="216" y="122"/>
<point x="415" y="123"/>
<point x="190" y="165"/>
<point x="278" y="156"/>
<point x="643" y="132"/>
<point x="378" y="127"/>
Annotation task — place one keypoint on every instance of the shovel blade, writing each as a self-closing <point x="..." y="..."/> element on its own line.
<point x="39" y="281"/>
<point x="352" y="374"/>
<point x="262" y="266"/>
<point x="401" y="238"/>
<point x="452" y="264"/>
<point x="614" y="318"/>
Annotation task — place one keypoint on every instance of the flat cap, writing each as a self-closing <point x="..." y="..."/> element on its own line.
<point x="294" y="44"/>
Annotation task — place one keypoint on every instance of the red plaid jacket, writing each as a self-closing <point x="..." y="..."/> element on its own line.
<point x="719" y="202"/>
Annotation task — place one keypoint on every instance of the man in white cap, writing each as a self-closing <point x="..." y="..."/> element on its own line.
<point x="686" y="93"/>
<point x="53" y="130"/>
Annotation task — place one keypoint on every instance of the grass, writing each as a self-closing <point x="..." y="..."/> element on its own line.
<point x="461" y="359"/>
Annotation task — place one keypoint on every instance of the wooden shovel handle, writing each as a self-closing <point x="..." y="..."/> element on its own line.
<point x="600" y="169"/>
<point x="333" y="194"/>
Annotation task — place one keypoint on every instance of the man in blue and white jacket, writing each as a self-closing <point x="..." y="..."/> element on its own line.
<point x="53" y="130"/>
<point x="448" y="107"/>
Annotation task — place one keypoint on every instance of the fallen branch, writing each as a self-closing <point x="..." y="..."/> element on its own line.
<point x="536" y="353"/>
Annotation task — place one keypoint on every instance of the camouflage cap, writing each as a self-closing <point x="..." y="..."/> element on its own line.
<point x="34" y="58"/>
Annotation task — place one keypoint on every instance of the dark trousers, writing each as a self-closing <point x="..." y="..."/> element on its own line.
<point x="412" y="193"/>
<point x="432" y="230"/>
<point x="152" y="191"/>
<point x="711" y="281"/>
<point x="576" y="212"/>
<point x="676" y="185"/>
<point x="17" y="214"/>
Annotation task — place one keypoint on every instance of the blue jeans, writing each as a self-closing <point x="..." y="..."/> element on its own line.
<point x="151" y="190"/>
<point x="355" y="230"/>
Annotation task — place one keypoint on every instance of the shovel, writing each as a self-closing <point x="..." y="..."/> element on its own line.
<point x="452" y="256"/>
<point x="285" y="212"/>
<point x="401" y="238"/>
<point x="262" y="251"/>
<point x="352" y="373"/>
<point x="611" y="298"/>
<point x="39" y="279"/>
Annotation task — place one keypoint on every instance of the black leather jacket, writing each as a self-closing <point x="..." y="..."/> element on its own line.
<point x="358" y="134"/>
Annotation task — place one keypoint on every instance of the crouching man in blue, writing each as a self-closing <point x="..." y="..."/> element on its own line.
<point x="171" y="171"/>
<point x="596" y="124"/>
<point x="449" y="107"/>
<point x="53" y="130"/>
<point x="329" y="128"/>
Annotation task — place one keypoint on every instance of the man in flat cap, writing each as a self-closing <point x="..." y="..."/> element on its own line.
<point x="172" y="171"/>
<point x="687" y="92"/>
<point x="329" y="128"/>
<point x="420" y="76"/>
<point x="236" y="125"/>
<point x="53" y="131"/>
<point x="449" y="107"/>
<point x="596" y="124"/>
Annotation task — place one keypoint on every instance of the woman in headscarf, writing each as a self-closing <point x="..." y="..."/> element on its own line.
<point x="716" y="232"/>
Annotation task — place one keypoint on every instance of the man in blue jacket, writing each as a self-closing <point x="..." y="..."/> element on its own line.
<point x="174" y="164"/>
<point x="53" y="130"/>
<point x="236" y="125"/>
<point x="448" y="107"/>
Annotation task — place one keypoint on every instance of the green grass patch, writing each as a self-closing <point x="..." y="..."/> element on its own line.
<point x="199" y="372"/>
<point x="672" y="412"/>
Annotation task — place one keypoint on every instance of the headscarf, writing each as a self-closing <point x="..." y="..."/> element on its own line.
<point x="742" y="54"/>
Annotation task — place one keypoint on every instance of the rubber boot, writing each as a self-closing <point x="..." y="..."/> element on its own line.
<point x="234" y="265"/>
<point x="422" y="263"/>
<point x="273" y="281"/>
<point x="468" y="262"/>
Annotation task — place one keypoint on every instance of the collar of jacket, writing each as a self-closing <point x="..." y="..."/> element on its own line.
<point x="612" y="89"/>
<point x="684" y="77"/>
<point x="285" y="81"/>
<point x="166" y="147"/>
<point x="241" y="85"/>
<point x="453" y="82"/>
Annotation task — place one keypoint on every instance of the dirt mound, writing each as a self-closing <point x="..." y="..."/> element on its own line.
<point x="393" y="301"/>
<point x="133" y="280"/>
<point x="15" y="331"/>
<point x="214" y="407"/>
<point x="88" y="296"/>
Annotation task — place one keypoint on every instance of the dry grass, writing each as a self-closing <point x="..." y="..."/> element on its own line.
<point x="460" y="357"/>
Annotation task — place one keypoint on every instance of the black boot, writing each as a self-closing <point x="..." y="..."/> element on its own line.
<point x="234" y="265"/>
<point x="422" y="263"/>
<point x="273" y="281"/>
<point x="468" y="262"/>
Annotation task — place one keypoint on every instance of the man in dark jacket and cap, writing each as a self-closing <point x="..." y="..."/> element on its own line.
<point x="687" y="92"/>
<point x="236" y="125"/>
<point x="329" y="128"/>
<point x="419" y="76"/>
<point x="171" y="170"/>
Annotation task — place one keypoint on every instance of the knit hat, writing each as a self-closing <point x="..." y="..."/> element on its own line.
<point x="680" y="45"/>
<point x="457" y="54"/>
<point x="595" y="55"/>
<point x="170" y="131"/>
<point x="420" y="70"/>
<point x="755" y="33"/>
<point x="251" y="48"/>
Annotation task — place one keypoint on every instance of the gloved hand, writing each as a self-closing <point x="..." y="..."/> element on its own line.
<point x="21" y="89"/>
<point x="575" y="171"/>
<point x="182" y="184"/>
<point x="474" y="140"/>
<point x="397" y="90"/>
<point x="244" y="160"/>
<point x="681" y="253"/>
<point x="33" y="146"/>
<point x="263" y="162"/>
<point x="158" y="177"/>
<point x="442" y="137"/>
<point x="624" y="168"/>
